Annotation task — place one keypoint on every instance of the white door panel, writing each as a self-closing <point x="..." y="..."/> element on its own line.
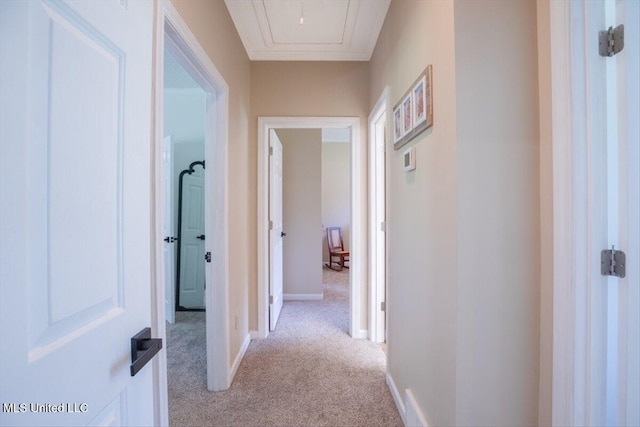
<point x="276" y="234"/>
<point x="75" y="210"/>
<point x="192" y="247"/>
<point x="169" y="232"/>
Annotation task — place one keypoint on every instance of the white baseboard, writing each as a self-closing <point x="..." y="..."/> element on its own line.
<point x="302" y="297"/>
<point x="254" y="335"/>
<point x="413" y="414"/>
<point x="397" y="398"/>
<point x="364" y="334"/>
<point x="238" y="359"/>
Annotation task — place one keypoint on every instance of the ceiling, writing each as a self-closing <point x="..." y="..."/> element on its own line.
<point x="333" y="30"/>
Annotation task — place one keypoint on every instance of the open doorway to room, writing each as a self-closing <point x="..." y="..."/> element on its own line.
<point x="316" y="201"/>
<point x="270" y="289"/>
<point x="184" y="224"/>
<point x="184" y="128"/>
<point x="191" y="121"/>
<point x="336" y="214"/>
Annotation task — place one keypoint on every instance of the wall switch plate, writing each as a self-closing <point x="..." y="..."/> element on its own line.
<point x="409" y="159"/>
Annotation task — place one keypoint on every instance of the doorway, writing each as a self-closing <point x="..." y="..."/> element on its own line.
<point x="377" y="221"/>
<point x="173" y="35"/>
<point x="357" y="183"/>
<point x="310" y="178"/>
<point x="184" y="166"/>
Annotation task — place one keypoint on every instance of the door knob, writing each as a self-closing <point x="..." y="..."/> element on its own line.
<point x="201" y="237"/>
<point x="282" y="234"/>
<point x="170" y="239"/>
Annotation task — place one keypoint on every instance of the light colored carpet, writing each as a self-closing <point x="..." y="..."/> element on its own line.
<point x="308" y="372"/>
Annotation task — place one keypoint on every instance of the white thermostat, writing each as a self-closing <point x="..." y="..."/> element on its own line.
<point x="409" y="159"/>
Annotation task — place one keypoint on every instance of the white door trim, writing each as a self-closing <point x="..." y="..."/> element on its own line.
<point x="376" y="288"/>
<point x="358" y="248"/>
<point x="564" y="286"/>
<point x="171" y="30"/>
<point x="575" y="344"/>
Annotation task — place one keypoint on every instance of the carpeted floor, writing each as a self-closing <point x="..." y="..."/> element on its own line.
<point x="308" y="372"/>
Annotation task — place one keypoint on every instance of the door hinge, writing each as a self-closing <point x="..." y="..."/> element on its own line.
<point x="613" y="263"/>
<point x="383" y="226"/>
<point x="207" y="257"/>
<point x="270" y="225"/>
<point x="271" y="151"/>
<point x="270" y="299"/>
<point x="611" y="41"/>
<point x="383" y="306"/>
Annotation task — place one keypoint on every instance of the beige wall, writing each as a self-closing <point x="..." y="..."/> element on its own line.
<point x="336" y="192"/>
<point x="211" y="24"/>
<point x="464" y="242"/>
<point x="314" y="89"/>
<point x="422" y="233"/>
<point x="302" y="208"/>
<point x="498" y="213"/>
<point x="546" y="213"/>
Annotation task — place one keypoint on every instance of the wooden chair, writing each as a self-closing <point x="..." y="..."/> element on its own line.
<point x="336" y="248"/>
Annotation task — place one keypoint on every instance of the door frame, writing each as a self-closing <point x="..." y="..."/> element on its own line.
<point x="565" y="124"/>
<point x="358" y="250"/>
<point x="172" y="30"/>
<point x="377" y="288"/>
<point x="564" y="292"/>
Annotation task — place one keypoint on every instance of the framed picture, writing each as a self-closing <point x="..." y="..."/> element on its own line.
<point x="398" y="130"/>
<point x="407" y="111"/>
<point x="419" y="93"/>
<point x="413" y="113"/>
<point x="429" y="95"/>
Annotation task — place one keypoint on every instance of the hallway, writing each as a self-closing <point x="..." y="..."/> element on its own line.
<point x="308" y="372"/>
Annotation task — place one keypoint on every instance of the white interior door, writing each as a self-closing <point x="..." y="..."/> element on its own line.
<point x="276" y="232"/>
<point x="380" y="232"/>
<point x="170" y="240"/>
<point x="377" y="221"/>
<point x="75" y="207"/>
<point x="191" y="242"/>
